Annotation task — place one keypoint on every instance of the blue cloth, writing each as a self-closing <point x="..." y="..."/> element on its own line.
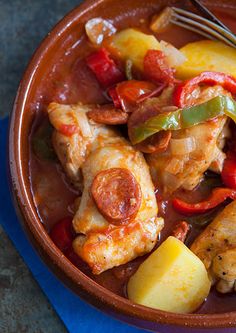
<point x="76" y="315"/>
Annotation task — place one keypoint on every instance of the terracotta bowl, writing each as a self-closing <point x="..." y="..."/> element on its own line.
<point x="62" y="38"/>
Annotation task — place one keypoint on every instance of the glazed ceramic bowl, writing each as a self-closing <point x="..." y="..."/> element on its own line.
<point x="56" y="45"/>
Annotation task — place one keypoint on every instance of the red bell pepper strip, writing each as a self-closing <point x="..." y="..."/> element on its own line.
<point x="115" y="98"/>
<point x="68" y="130"/>
<point x="105" y="69"/>
<point x="156" y="67"/>
<point x="217" y="196"/>
<point x="62" y="234"/>
<point x="228" y="174"/>
<point x="184" y="90"/>
<point x="128" y="93"/>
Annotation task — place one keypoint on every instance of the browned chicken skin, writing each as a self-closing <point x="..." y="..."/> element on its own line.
<point x="216" y="247"/>
<point x="174" y="168"/>
<point x="100" y="243"/>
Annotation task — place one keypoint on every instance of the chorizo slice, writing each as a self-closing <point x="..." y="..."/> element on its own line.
<point x="157" y="142"/>
<point x="181" y="230"/>
<point x="117" y="195"/>
<point x="108" y="114"/>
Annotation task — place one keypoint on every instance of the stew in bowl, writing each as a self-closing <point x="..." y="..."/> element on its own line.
<point x="132" y="161"/>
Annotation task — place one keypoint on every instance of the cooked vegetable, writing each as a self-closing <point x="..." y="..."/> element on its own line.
<point x="217" y="196"/>
<point x="157" y="142"/>
<point x="41" y="142"/>
<point x="207" y="55"/>
<point x="172" y="278"/>
<point x="112" y="93"/>
<point x="184" y="90"/>
<point x="133" y="45"/>
<point x="108" y="114"/>
<point x="228" y="174"/>
<point x="117" y="195"/>
<point x="161" y="22"/>
<point x="105" y="69"/>
<point x="182" y="146"/>
<point x="185" y="118"/>
<point x="156" y="67"/>
<point x="97" y="29"/>
<point x="62" y="234"/>
<point x="128" y="69"/>
<point x="129" y="92"/>
<point x="173" y="55"/>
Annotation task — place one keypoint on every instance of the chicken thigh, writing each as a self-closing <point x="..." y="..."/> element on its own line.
<point x="100" y="242"/>
<point x="193" y="150"/>
<point x="216" y="247"/>
<point x="174" y="168"/>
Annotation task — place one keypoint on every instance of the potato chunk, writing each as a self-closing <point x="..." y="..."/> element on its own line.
<point x="133" y="45"/>
<point x="207" y="55"/>
<point x="172" y="278"/>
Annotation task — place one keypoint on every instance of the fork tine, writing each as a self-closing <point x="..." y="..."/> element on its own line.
<point x="177" y="19"/>
<point x="207" y="13"/>
<point x="227" y="33"/>
<point x="205" y="25"/>
<point x="189" y="27"/>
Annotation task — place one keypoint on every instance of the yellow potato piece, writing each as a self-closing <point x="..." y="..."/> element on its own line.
<point x="207" y="55"/>
<point x="133" y="45"/>
<point x="172" y="278"/>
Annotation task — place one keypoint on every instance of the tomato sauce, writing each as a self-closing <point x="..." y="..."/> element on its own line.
<point x="70" y="81"/>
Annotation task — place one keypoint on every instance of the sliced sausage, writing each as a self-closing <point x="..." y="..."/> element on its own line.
<point x="157" y="142"/>
<point x="117" y="195"/>
<point x="181" y="230"/>
<point x="108" y="114"/>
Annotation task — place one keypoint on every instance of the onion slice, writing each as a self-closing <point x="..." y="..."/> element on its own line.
<point x="97" y="29"/>
<point x="182" y="146"/>
<point x="174" y="57"/>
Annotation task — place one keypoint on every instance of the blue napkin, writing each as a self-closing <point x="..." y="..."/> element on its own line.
<point x="76" y="315"/>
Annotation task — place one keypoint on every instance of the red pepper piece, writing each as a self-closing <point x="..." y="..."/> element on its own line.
<point x="128" y="93"/>
<point x="68" y="130"/>
<point x="181" y="230"/>
<point x="115" y="98"/>
<point x="105" y="69"/>
<point x="217" y="196"/>
<point x="62" y="234"/>
<point x="228" y="174"/>
<point x="156" y="67"/>
<point x="185" y="89"/>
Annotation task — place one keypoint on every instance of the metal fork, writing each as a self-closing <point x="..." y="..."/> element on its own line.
<point x="202" y="26"/>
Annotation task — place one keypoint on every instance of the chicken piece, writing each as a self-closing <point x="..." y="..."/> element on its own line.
<point x="118" y="245"/>
<point x="71" y="149"/>
<point x="174" y="168"/>
<point x="106" y="245"/>
<point x="73" y="137"/>
<point x="216" y="247"/>
<point x="100" y="243"/>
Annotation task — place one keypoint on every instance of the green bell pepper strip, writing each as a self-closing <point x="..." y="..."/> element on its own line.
<point x="185" y="118"/>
